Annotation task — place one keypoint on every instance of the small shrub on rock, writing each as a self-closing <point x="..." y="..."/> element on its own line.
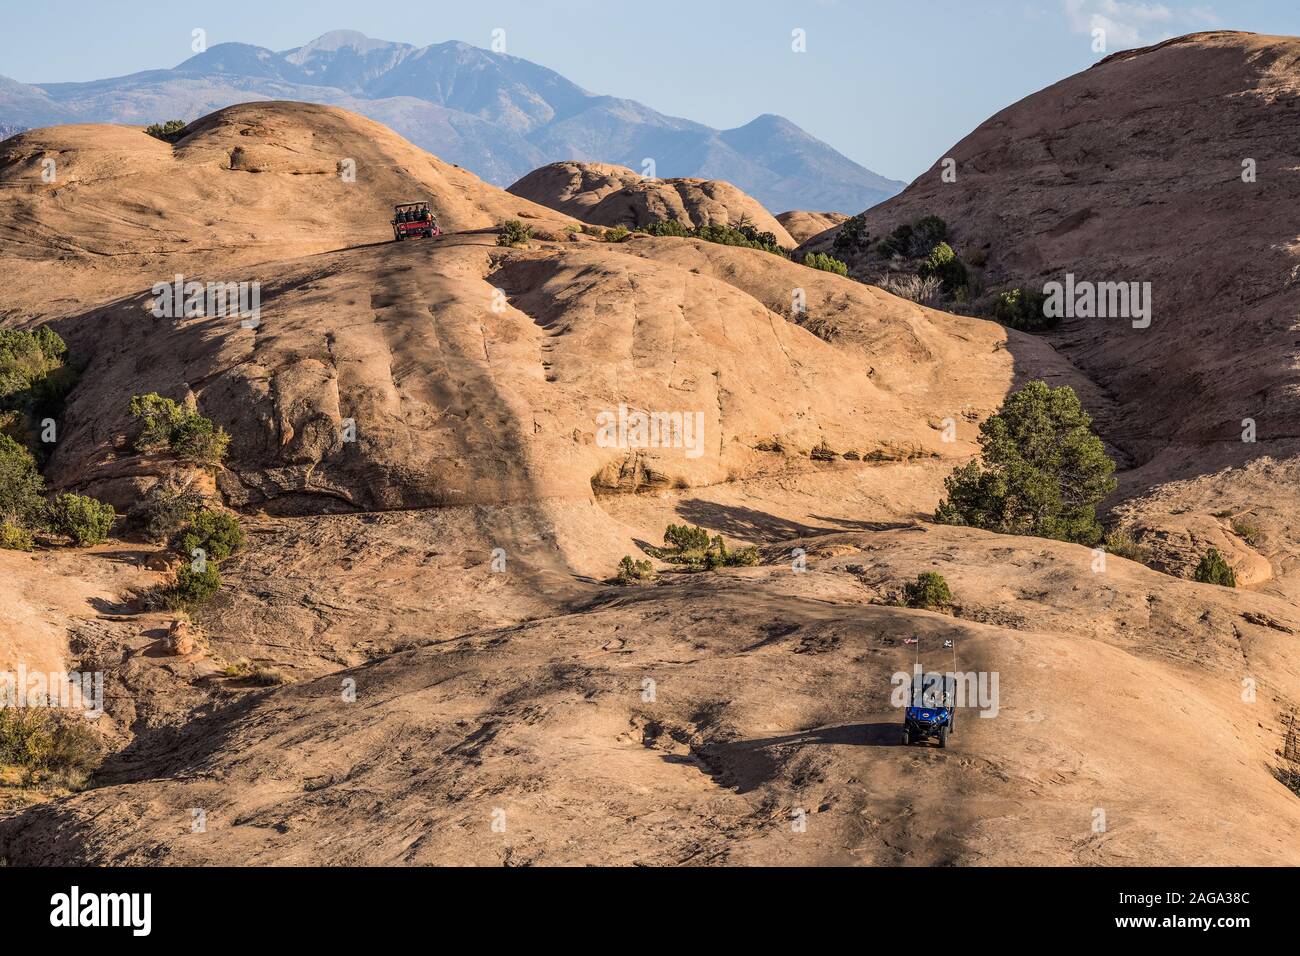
<point x="1022" y="309"/>
<point x="166" y="508"/>
<point x="1124" y="545"/>
<point x="217" y="533"/>
<point x="15" y="538"/>
<point x="263" y="676"/>
<point x="942" y="263"/>
<point x="80" y="518"/>
<point x="743" y="557"/>
<point x="35" y="376"/>
<point x="929" y="590"/>
<point x="686" y="539"/>
<point x="168" y="132"/>
<point x="928" y="232"/>
<point x="914" y="240"/>
<point x="1248" y="531"/>
<point x="46" y="745"/>
<point x="634" y="572"/>
<point x="826" y="263"/>
<point x="22" y="489"/>
<point x="193" y="588"/>
<point x="165" y="426"/>
<point x="742" y="234"/>
<point x="514" y="233"/>
<point x="1213" y="569"/>
<point x="921" y="290"/>
<point x="668" y="227"/>
<point x="853" y="235"/>
<point x="718" y="556"/>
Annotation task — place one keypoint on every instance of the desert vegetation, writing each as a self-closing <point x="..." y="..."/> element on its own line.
<point x="923" y="290"/>
<point x="942" y="264"/>
<point x="166" y="427"/>
<point x="1042" y="470"/>
<point x="691" y="548"/>
<point x="25" y="511"/>
<point x="853" y="236"/>
<point x="47" y="747"/>
<point x="917" y="261"/>
<point x="201" y="536"/>
<point x="694" y="548"/>
<point x="930" y="590"/>
<point x="820" y="260"/>
<point x="15" y="537"/>
<point x="742" y="234"/>
<point x="514" y="233"/>
<point x="35" y="377"/>
<point x="216" y="533"/>
<point x="1213" y="569"/>
<point x="1022" y="309"/>
<point x="206" y="538"/>
<point x="914" y="261"/>
<point x="22" y="488"/>
<point x="916" y="240"/>
<point x="80" y="518"/>
<point x="1248" y="530"/>
<point x="168" y="132"/>
<point x="1123" y="545"/>
<point x="196" y="583"/>
<point x="166" y="507"/>
<point x="259" y="674"/>
<point x="632" y="571"/>
<point x="937" y="277"/>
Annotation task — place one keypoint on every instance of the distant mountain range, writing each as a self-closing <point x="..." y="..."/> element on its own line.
<point x="497" y="115"/>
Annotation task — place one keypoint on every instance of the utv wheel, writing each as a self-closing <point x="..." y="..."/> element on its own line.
<point x="943" y="737"/>
<point x="907" y="737"/>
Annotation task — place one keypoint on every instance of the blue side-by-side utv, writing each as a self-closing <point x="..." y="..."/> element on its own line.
<point x="931" y="713"/>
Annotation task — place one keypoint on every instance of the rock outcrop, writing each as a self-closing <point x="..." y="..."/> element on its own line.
<point x="607" y="195"/>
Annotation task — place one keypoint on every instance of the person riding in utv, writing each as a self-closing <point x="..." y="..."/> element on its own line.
<point x="931" y="712"/>
<point x="414" y="220"/>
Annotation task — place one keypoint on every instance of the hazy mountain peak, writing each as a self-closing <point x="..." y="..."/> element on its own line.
<point x="463" y="47"/>
<point x="242" y="59"/>
<point x="499" y="115"/>
<point x="336" y="40"/>
<point x="772" y="121"/>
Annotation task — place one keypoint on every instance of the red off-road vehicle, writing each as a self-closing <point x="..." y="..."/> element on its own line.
<point x="414" y="220"/>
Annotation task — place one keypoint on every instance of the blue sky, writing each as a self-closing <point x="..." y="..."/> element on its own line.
<point x="892" y="85"/>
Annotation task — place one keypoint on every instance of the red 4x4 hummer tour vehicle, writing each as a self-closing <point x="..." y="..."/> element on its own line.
<point x="414" y="220"/>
